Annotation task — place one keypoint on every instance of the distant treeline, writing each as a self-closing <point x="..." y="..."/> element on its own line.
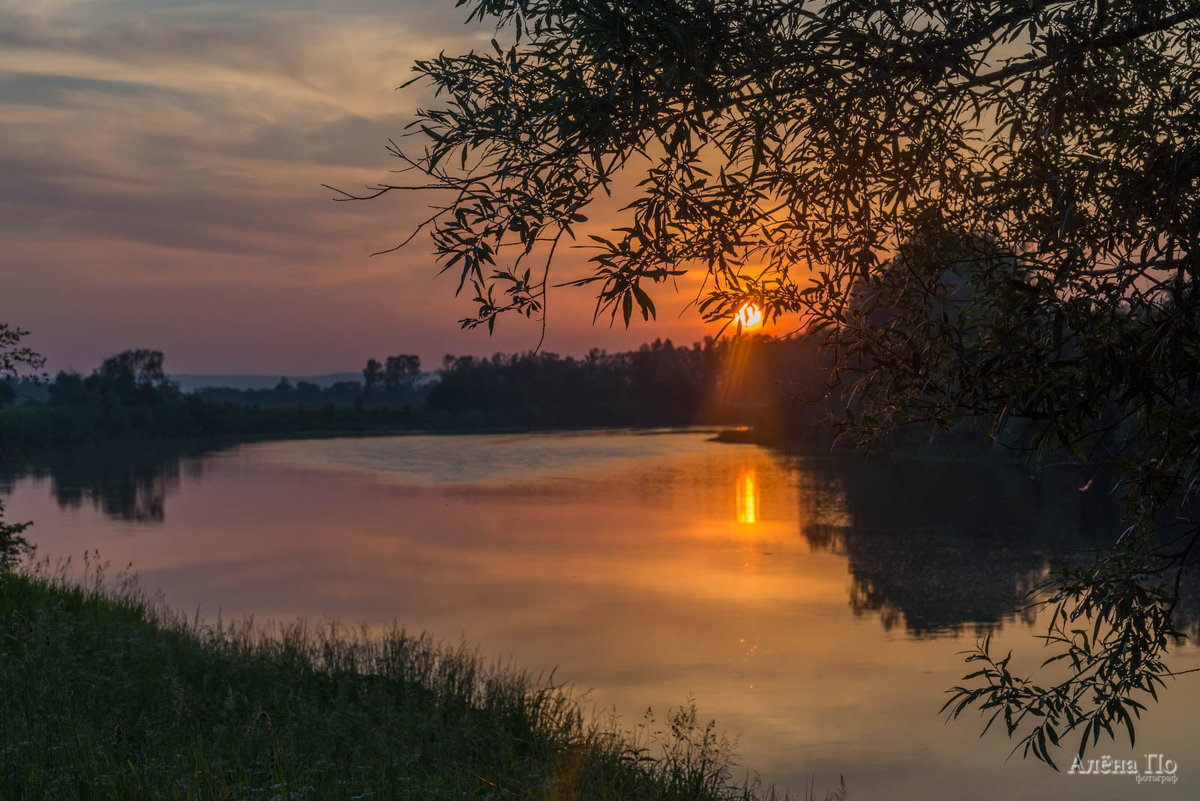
<point x="392" y="383"/>
<point x="738" y="381"/>
<point x="129" y="395"/>
<point x="285" y="393"/>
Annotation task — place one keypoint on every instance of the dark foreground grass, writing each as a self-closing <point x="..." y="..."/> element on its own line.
<point x="106" y="695"/>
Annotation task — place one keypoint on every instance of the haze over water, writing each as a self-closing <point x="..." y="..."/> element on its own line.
<point x="814" y="607"/>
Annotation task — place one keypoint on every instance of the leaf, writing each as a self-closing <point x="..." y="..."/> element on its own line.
<point x="644" y="303"/>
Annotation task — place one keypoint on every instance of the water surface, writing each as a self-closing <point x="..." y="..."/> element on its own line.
<point x="815" y="607"/>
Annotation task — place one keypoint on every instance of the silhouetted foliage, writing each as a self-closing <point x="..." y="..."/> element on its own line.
<point x="400" y="373"/>
<point x="12" y="544"/>
<point x="372" y="376"/>
<point x="392" y="382"/>
<point x="742" y="380"/>
<point x="129" y="378"/>
<point x="16" y="362"/>
<point x="1015" y="185"/>
<point x="285" y="394"/>
<point x="16" y="359"/>
<point x="129" y="396"/>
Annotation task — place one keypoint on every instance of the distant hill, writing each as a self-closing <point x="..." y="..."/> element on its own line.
<point x="189" y="382"/>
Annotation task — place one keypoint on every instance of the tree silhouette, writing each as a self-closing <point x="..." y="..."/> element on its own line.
<point x="400" y="373"/>
<point x="372" y="376"/>
<point x="1016" y="184"/>
<point x="16" y="361"/>
<point x="134" y="376"/>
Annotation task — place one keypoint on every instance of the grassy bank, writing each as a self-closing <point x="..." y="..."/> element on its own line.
<point x="107" y="696"/>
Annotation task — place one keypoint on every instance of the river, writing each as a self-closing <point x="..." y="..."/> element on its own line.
<point x="815" y="607"/>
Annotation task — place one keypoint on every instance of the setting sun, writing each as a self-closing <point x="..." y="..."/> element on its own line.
<point x="749" y="316"/>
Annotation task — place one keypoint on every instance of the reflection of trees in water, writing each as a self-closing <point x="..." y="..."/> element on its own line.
<point x="944" y="545"/>
<point x="127" y="482"/>
<point x="1187" y="611"/>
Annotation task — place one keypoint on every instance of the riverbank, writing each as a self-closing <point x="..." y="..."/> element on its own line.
<point x="109" y="696"/>
<point x="32" y="429"/>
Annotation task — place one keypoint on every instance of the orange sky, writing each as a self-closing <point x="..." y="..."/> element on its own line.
<point x="160" y="172"/>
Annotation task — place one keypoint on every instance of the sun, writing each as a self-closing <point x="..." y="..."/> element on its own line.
<point x="749" y="316"/>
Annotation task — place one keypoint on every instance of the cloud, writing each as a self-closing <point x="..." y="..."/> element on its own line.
<point x="161" y="164"/>
<point x="203" y="127"/>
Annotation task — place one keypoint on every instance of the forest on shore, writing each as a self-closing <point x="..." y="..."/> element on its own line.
<point x="769" y="385"/>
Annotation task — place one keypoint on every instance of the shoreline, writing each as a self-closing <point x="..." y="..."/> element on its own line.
<point x="113" y="696"/>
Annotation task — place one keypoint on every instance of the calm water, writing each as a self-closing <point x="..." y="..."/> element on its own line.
<point x="814" y="607"/>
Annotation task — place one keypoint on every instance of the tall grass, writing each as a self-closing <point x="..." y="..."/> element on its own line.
<point x="109" y="695"/>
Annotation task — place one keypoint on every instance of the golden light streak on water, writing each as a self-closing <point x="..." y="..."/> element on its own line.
<point x="747" y="496"/>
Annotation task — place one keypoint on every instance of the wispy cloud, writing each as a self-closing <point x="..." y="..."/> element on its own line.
<point x="157" y="155"/>
<point x="168" y="123"/>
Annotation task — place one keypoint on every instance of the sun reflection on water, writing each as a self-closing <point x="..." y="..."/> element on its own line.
<point x="747" y="496"/>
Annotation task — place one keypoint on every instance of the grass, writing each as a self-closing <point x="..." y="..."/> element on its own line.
<point x="109" y="695"/>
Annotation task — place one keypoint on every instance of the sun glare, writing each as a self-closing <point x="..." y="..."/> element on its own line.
<point x="749" y="316"/>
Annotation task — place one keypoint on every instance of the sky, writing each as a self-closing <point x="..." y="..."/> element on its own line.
<point x="161" y="164"/>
